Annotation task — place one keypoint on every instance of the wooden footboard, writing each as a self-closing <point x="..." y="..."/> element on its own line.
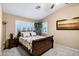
<point x="42" y="45"/>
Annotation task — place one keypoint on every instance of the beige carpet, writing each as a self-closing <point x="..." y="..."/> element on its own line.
<point x="58" y="50"/>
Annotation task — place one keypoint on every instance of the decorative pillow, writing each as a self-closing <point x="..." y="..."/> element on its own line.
<point x="25" y="34"/>
<point x="33" y="33"/>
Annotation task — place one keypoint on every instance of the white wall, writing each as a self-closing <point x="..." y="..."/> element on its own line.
<point x="0" y="30"/>
<point x="68" y="38"/>
<point x="11" y="21"/>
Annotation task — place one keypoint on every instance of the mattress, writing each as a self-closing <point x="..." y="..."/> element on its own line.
<point x="27" y="41"/>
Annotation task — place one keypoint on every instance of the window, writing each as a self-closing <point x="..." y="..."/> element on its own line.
<point x="24" y="26"/>
<point x="44" y="27"/>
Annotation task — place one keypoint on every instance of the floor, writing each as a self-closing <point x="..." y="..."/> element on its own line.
<point x="58" y="50"/>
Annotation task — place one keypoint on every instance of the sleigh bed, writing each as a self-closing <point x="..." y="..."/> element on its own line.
<point x="36" y="45"/>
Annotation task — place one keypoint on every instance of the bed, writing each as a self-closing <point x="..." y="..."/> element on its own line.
<point x="36" y="45"/>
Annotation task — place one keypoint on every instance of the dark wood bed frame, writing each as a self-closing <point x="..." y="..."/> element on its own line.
<point x="40" y="46"/>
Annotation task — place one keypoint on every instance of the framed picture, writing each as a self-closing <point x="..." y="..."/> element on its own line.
<point x="68" y="24"/>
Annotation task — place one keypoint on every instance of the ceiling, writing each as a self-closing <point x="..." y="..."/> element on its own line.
<point x="29" y="10"/>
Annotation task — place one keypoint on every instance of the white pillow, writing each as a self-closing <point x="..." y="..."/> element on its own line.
<point x="33" y="33"/>
<point x="25" y="34"/>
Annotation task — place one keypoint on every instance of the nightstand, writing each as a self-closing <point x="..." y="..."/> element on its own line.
<point x="12" y="43"/>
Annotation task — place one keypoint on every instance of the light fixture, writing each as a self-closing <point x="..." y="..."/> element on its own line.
<point x="37" y="7"/>
<point x="52" y="5"/>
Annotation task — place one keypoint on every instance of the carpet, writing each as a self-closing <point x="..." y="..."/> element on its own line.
<point x="58" y="50"/>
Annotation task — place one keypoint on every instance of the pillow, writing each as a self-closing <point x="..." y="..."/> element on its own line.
<point x="25" y="34"/>
<point x="33" y="33"/>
